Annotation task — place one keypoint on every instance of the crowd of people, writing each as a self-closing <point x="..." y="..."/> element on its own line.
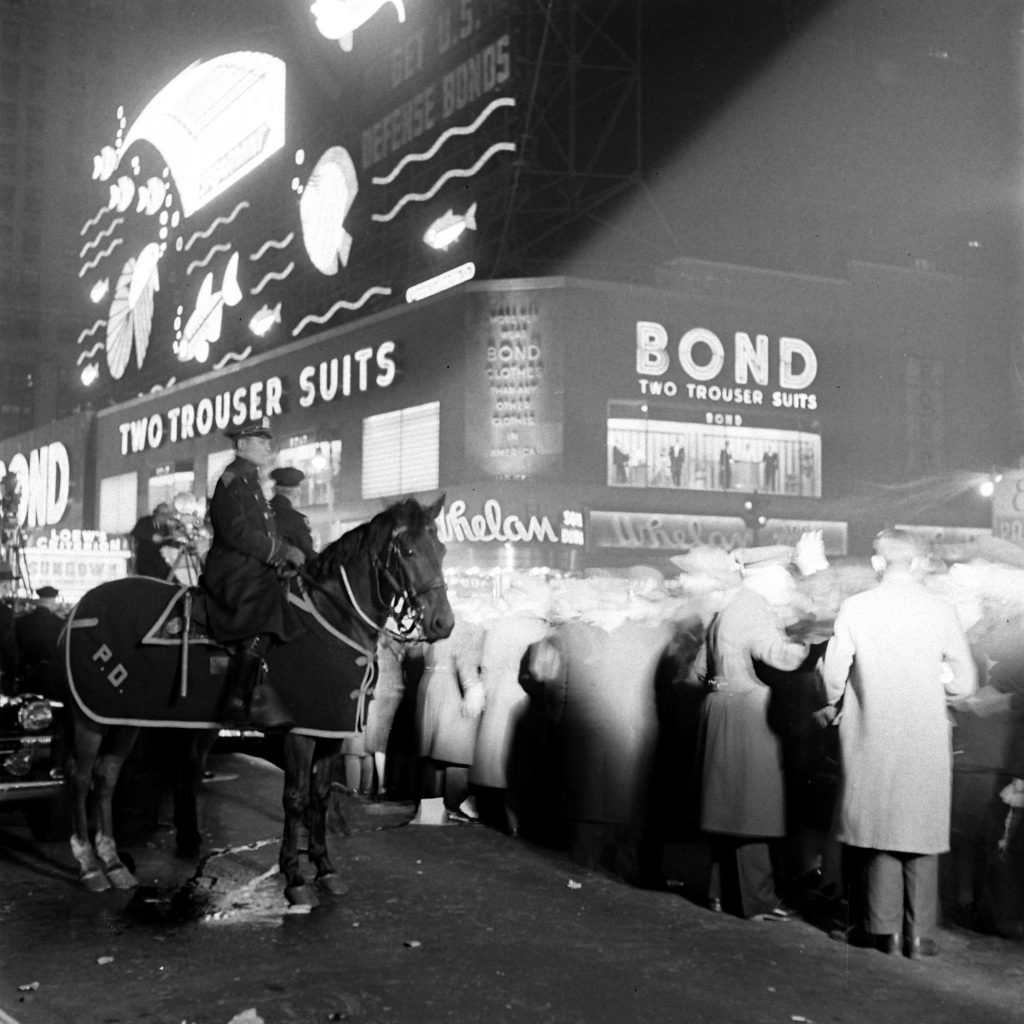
<point x="793" y="716"/>
<point x="802" y="728"/>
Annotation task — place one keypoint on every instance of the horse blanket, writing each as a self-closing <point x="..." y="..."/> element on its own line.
<point x="137" y="653"/>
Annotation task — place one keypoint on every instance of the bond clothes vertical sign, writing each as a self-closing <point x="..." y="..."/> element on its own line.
<point x="514" y="411"/>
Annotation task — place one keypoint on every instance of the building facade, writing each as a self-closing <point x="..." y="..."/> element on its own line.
<point x="576" y="423"/>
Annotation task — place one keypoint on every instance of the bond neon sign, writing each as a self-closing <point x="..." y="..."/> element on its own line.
<point x="44" y="480"/>
<point x="701" y="356"/>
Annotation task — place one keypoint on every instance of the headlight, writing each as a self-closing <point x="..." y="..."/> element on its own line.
<point x="35" y="715"/>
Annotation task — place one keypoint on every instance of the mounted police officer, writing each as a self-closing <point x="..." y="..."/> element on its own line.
<point x="248" y="601"/>
<point x="292" y="525"/>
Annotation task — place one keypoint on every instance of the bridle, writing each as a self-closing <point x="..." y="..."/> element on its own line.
<point x="403" y="605"/>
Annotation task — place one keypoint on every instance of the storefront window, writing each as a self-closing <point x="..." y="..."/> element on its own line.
<point x="321" y="462"/>
<point x="119" y="503"/>
<point x="401" y="451"/>
<point x="167" y="485"/>
<point x="659" y="447"/>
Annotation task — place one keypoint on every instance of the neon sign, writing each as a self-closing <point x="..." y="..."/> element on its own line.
<point x="360" y="181"/>
<point x="44" y="480"/>
<point x="215" y="122"/>
<point x="494" y="526"/>
<point x="702" y="356"/>
<point x="449" y="279"/>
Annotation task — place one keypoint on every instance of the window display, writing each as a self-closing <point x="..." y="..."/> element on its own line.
<point x="659" y="447"/>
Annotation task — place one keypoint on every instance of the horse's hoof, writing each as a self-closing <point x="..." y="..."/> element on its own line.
<point x="121" y="878"/>
<point x="95" y="881"/>
<point x="332" y="884"/>
<point x="300" y="895"/>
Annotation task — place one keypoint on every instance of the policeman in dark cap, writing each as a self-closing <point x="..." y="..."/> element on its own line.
<point x="248" y="604"/>
<point x="292" y="525"/>
<point x="37" y="633"/>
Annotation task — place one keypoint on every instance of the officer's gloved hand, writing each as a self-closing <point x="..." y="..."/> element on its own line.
<point x="293" y="557"/>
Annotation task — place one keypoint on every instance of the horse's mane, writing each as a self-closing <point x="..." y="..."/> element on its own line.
<point x="367" y="539"/>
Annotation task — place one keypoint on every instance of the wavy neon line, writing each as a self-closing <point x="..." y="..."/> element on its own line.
<point x="108" y="230"/>
<point x="274" y="275"/>
<point x="243" y="205"/>
<point x="161" y="387"/>
<point x="413" y="197"/>
<point x="505" y="101"/>
<point x="233" y="357"/>
<point x="273" y="244"/>
<point x="311" y="318"/>
<point x="90" y="353"/>
<point x="91" y="330"/>
<point x="93" y="221"/>
<point x="100" y="256"/>
<point x="219" y="247"/>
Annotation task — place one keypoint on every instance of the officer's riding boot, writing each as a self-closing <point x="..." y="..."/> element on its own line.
<point x="247" y="704"/>
<point x="266" y="711"/>
<point x="238" y="686"/>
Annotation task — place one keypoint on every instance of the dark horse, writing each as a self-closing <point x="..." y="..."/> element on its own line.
<point x="137" y="656"/>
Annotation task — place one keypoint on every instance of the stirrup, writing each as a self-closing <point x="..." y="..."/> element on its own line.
<point x="266" y="712"/>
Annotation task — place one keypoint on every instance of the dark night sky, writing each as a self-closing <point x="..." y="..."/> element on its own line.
<point x="802" y="133"/>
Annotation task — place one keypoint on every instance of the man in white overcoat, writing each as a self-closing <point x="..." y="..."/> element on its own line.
<point x="897" y="656"/>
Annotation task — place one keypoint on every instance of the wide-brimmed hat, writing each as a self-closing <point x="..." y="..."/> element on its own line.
<point x="752" y="559"/>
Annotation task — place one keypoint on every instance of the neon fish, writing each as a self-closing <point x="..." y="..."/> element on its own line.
<point x="203" y="327"/>
<point x="151" y="196"/>
<point x="449" y="228"/>
<point x="263" y="320"/>
<point x="104" y="164"/>
<point x="122" y="192"/>
<point x="338" y="19"/>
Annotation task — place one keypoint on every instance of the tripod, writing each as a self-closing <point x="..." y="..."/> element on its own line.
<point x="14" y="574"/>
<point x="187" y="562"/>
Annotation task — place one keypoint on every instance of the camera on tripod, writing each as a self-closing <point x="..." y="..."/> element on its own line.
<point x="188" y="519"/>
<point x="10" y="505"/>
<point x="188" y="531"/>
<point x="13" y="564"/>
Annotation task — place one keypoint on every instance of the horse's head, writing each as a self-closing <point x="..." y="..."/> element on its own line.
<point x="389" y="566"/>
<point x="411" y="566"/>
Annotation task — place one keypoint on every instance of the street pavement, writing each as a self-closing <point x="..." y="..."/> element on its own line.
<point x="443" y="923"/>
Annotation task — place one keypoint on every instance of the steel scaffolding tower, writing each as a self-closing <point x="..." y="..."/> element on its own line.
<point x="579" y="128"/>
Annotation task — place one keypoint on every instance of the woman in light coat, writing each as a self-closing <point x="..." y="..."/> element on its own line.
<point x="742" y="793"/>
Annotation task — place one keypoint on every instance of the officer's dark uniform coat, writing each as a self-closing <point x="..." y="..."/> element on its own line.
<point x="240" y="572"/>
<point x="292" y="526"/>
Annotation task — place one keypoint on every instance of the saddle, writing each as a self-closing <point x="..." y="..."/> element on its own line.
<point x="182" y="620"/>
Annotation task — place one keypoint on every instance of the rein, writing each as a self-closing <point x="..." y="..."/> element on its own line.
<point x="402" y="606"/>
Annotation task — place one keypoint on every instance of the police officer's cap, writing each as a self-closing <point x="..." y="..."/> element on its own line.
<point x="287" y="476"/>
<point x="47" y="591"/>
<point x="255" y="428"/>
